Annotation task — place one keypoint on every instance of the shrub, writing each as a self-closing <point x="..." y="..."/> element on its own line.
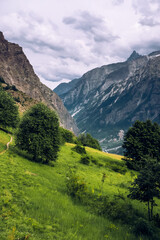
<point x="88" y="140"/>
<point x="66" y="135"/>
<point x="94" y="161"/>
<point x="2" y="80"/>
<point x="9" y="115"/>
<point x="119" y="169"/>
<point x="79" y="149"/>
<point x="76" y="187"/>
<point x="143" y="227"/>
<point x="85" y="160"/>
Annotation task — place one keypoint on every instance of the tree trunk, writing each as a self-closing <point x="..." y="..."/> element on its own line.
<point x="149" y="212"/>
<point x="151" y="209"/>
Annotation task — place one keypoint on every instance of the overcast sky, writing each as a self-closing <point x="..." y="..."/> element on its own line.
<point x="63" y="39"/>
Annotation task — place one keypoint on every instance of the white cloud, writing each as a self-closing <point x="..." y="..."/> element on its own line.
<point x="64" y="39"/>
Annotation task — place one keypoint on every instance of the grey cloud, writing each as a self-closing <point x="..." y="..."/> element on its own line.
<point x="91" y="26"/>
<point x="146" y="7"/>
<point x="57" y="76"/>
<point x="69" y="20"/>
<point x="148" y="10"/>
<point x="147" y="46"/>
<point x="146" y="21"/>
<point x="117" y="2"/>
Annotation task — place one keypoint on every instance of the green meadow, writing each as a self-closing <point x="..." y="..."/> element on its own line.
<point x="35" y="204"/>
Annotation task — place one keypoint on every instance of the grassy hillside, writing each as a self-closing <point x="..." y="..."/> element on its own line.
<point x="4" y="139"/>
<point x="34" y="203"/>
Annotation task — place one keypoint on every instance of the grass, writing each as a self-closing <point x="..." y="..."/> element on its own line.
<point x="4" y="139"/>
<point x="34" y="203"/>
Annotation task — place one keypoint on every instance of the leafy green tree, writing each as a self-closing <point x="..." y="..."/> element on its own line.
<point x="147" y="185"/>
<point x="38" y="133"/>
<point x="9" y="115"/>
<point x="66" y="135"/>
<point x="88" y="140"/>
<point x="141" y="140"/>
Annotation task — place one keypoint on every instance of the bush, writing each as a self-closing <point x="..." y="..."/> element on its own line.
<point x="85" y="160"/>
<point x="119" y="169"/>
<point x="79" y="149"/>
<point x="143" y="227"/>
<point x="66" y="136"/>
<point x="88" y="140"/>
<point x="2" y="80"/>
<point x="9" y="115"/>
<point x="76" y="187"/>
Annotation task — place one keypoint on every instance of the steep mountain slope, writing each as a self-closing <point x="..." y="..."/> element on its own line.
<point x="107" y="100"/>
<point x="65" y="87"/>
<point x="16" y="70"/>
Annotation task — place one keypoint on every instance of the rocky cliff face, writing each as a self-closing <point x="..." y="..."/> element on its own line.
<point x="16" y="70"/>
<point x="109" y="99"/>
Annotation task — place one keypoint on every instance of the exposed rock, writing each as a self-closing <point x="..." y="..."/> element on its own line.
<point x="16" y="70"/>
<point x="109" y="99"/>
<point x="65" y="87"/>
<point x="134" y="56"/>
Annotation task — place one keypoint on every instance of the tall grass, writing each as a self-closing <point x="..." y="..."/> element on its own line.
<point x="4" y="139"/>
<point x="34" y="203"/>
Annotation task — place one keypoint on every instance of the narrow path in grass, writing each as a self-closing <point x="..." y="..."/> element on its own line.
<point x="7" y="146"/>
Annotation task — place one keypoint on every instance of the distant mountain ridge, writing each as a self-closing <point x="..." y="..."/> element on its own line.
<point x="65" y="87"/>
<point x="107" y="100"/>
<point x="16" y="70"/>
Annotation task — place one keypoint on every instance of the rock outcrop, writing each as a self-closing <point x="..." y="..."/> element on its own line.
<point x="16" y="70"/>
<point x="107" y="100"/>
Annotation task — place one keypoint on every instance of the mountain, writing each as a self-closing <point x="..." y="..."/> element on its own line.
<point x="65" y="87"/>
<point x="134" y="56"/>
<point x="15" y="70"/>
<point x="107" y="100"/>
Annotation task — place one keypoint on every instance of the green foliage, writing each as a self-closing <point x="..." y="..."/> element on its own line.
<point x="2" y="80"/>
<point x="9" y="116"/>
<point x="85" y="159"/>
<point x="4" y="139"/>
<point x="147" y="185"/>
<point x="34" y="204"/>
<point x="143" y="227"/>
<point x="97" y="203"/>
<point x="76" y="187"/>
<point x="141" y="140"/>
<point x="119" y="168"/>
<point x="38" y="133"/>
<point x="79" y="149"/>
<point x="89" y="141"/>
<point x="66" y="136"/>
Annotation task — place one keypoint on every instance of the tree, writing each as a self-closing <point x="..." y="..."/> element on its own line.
<point x="9" y="115"/>
<point x="141" y="140"/>
<point x="66" y="135"/>
<point x="38" y="133"/>
<point x="88" y="140"/>
<point x="147" y="185"/>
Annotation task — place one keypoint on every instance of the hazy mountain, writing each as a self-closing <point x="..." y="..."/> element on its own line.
<point x="16" y="70"/>
<point x="65" y="87"/>
<point x="107" y="100"/>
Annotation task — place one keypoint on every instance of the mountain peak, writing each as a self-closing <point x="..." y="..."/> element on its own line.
<point x="133" y="56"/>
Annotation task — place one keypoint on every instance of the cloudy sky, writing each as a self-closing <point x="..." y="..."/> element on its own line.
<point x="63" y="39"/>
